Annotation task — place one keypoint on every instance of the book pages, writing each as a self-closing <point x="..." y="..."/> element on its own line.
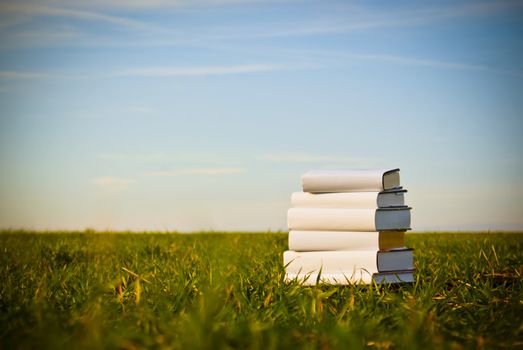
<point x="344" y="180"/>
<point x="331" y="219"/>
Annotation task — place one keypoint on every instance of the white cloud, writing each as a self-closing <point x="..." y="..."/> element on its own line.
<point x="50" y="35"/>
<point x="338" y="19"/>
<point x="361" y="18"/>
<point x="403" y="60"/>
<point x="197" y="71"/>
<point x="144" y="4"/>
<point x="306" y="158"/>
<point x="19" y="75"/>
<point x="141" y="110"/>
<point x="207" y="158"/>
<point x="196" y="171"/>
<point x="422" y="62"/>
<point x="112" y="183"/>
<point x="135" y="4"/>
<point x="32" y="9"/>
<point x="157" y="72"/>
<point x="149" y="157"/>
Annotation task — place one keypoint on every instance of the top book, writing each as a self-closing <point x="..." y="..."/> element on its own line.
<point x="354" y="180"/>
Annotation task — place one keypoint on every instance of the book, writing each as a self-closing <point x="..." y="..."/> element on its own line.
<point x="317" y="181"/>
<point x="353" y="263"/>
<point x="394" y="276"/>
<point x="343" y="240"/>
<point x="341" y="219"/>
<point x="406" y="276"/>
<point x="361" y="200"/>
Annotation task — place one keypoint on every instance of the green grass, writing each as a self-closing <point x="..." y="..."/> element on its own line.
<point x="127" y="291"/>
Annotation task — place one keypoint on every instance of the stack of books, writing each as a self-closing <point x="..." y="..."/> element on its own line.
<point x="348" y="227"/>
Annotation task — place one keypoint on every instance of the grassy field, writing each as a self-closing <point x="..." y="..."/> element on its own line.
<point x="128" y="291"/>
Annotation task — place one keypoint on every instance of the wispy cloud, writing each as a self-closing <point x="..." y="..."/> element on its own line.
<point x="53" y="35"/>
<point x="113" y="184"/>
<point x="404" y="60"/>
<point x="34" y="9"/>
<point x="207" y="158"/>
<point x="306" y="158"/>
<point x="198" y="71"/>
<point x="141" y="110"/>
<point x="158" y="72"/>
<point x="196" y="171"/>
<point x="153" y="33"/>
<point x="360" y="18"/>
<point x="140" y="4"/>
<point x="19" y="75"/>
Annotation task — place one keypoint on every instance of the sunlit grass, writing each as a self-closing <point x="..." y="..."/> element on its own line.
<point x="92" y="290"/>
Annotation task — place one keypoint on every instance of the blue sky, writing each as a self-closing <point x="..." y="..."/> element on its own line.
<point x="202" y="115"/>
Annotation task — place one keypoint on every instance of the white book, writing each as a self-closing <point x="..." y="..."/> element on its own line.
<point x="343" y="240"/>
<point x="354" y="264"/>
<point x="340" y="219"/>
<point x="356" y="200"/>
<point x="364" y="278"/>
<point x="378" y="180"/>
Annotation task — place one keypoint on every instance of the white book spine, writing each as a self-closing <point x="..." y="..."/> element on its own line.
<point x="344" y="279"/>
<point x="333" y="240"/>
<point x="335" y="200"/>
<point x="331" y="219"/>
<point x="349" y="263"/>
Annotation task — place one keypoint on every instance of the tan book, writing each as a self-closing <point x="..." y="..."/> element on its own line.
<point x="391" y="240"/>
